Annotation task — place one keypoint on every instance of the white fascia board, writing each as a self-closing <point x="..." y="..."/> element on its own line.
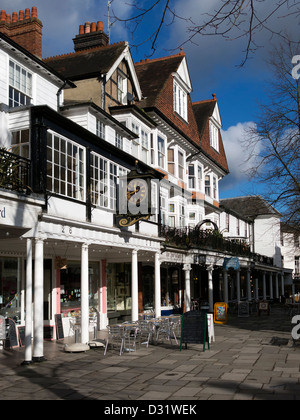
<point x="127" y="56"/>
<point x="182" y="76"/>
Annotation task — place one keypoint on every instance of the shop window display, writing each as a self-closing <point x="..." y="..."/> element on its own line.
<point x="10" y="304"/>
<point x="70" y="289"/>
<point x="118" y="287"/>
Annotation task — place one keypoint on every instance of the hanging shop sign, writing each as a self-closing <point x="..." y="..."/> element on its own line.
<point x="134" y="197"/>
<point x="220" y="313"/>
<point x="231" y="263"/>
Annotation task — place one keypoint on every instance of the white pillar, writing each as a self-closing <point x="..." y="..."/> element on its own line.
<point x="271" y="286"/>
<point x="84" y="294"/>
<point x="225" y="285"/>
<point x="38" y="346"/>
<point x="28" y="304"/>
<point x="264" y="287"/>
<point x="157" y="285"/>
<point x="256" y="289"/>
<point x="277" y="286"/>
<point x="293" y="292"/>
<point x="282" y="284"/>
<point x="238" y="285"/>
<point x="187" y="297"/>
<point x="210" y="289"/>
<point x="249" y="293"/>
<point x="134" y="287"/>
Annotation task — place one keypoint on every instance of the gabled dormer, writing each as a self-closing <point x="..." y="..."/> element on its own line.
<point x="166" y="88"/>
<point x="182" y="87"/>
<point x="103" y="73"/>
<point x="209" y="123"/>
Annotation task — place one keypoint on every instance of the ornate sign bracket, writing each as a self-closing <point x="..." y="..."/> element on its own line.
<point x="127" y="221"/>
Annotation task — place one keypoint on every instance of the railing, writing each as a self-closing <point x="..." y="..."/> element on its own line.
<point x="14" y="172"/>
<point x="195" y="238"/>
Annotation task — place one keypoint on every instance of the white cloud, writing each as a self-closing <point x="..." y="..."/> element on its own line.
<point x="241" y="159"/>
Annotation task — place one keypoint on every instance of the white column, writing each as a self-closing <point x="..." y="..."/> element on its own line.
<point x="210" y="289"/>
<point x="277" y="286"/>
<point x="134" y="287"/>
<point x="238" y="285"/>
<point x="187" y="297"/>
<point x="28" y="304"/>
<point x="293" y="292"/>
<point x="157" y="285"/>
<point x="271" y="286"/>
<point x="264" y="287"/>
<point x="84" y="294"/>
<point x="256" y="289"/>
<point x="282" y="284"/>
<point x="38" y="343"/>
<point x="225" y="285"/>
<point x="249" y="294"/>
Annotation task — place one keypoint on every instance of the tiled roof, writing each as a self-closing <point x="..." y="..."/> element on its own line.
<point x="87" y="63"/>
<point x="249" y="206"/>
<point x="156" y="80"/>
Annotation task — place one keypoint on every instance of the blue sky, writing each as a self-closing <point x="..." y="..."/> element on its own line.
<point x="213" y="61"/>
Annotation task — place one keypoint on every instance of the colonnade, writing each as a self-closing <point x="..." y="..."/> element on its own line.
<point x="34" y="325"/>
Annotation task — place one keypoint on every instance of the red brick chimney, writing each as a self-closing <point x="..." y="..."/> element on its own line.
<point x="91" y="35"/>
<point x="24" y="28"/>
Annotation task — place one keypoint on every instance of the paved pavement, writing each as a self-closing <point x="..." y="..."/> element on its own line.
<point x="244" y="363"/>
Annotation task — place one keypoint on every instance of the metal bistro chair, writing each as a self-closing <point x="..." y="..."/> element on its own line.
<point x="145" y="332"/>
<point x="166" y="330"/>
<point x="176" y="326"/>
<point x="131" y="331"/>
<point x="115" y="336"/>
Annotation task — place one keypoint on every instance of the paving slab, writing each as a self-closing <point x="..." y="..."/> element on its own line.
<point x="242" y="364"/>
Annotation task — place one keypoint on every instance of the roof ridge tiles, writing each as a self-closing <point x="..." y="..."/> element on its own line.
<point x="152" y="60"/>
<point x="75" y="53"/>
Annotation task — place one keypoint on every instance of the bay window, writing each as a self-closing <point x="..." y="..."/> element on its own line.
<point x="180" y="165"/>
<point x="192" y="183"/>
<point x="161" y="152"/>
<point x="65" y="167"/>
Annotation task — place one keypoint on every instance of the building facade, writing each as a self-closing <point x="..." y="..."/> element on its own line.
<point x="74" y="128"/>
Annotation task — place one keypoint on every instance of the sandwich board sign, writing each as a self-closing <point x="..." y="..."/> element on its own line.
<point x="220" y="313"/>
<point x="194" y="329"/>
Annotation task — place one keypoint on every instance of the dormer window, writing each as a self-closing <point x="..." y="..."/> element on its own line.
<point x="214" y="136"/>
<point x="122" y="89"/>
<point x="180" y="101"/>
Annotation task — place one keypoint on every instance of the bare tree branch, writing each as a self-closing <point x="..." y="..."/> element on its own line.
<point x="231" y="19"/>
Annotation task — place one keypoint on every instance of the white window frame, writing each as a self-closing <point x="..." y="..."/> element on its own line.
<point x="181" y="165"/>
<point x="180" y="101"/>
<point x="199" y="177"/>
<point x="191" y="177"/>
<point x="118" y="141"/>
<point x="161" y="152"/>
<point x="214" y="136"/>
<point x="66" y="169"/>
<point x="122" y="89"/>
<point x="20" y="143"/>
<point x="215" y="188"/>
<point x="100" y="129"/>
<point x="20" y="85"/>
